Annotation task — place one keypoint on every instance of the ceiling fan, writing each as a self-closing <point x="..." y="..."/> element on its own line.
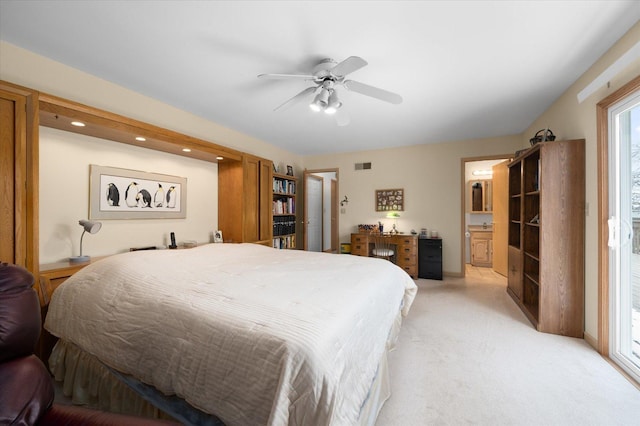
<point x="326" y="76"/>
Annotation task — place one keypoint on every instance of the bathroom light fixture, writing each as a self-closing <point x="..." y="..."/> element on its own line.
<point x="219" y="158"/>
<point x="186" y="150"/>
<point x="140" y="138"/>
<point x="77" y="123"/>
<point x="90" y="227"/>
<point x="482" y="172"/>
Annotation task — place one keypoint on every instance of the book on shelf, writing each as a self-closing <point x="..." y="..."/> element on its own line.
<point x="284" y="225"/>
<point x="286" y="242"/>
<point x="284" y="206"/>
<point x="283" y="186"/>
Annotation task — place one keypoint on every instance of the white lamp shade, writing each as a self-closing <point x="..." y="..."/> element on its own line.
<point x="90" y="226"/>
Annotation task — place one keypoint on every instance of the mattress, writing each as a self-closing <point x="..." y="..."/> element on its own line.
<point x="251" y="334"/>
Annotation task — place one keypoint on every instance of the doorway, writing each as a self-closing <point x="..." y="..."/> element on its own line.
<point x="483" y="239"/>
<point x="321" y="210"/>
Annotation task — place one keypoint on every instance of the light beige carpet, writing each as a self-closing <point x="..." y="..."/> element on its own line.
<point x="467" y="355"/>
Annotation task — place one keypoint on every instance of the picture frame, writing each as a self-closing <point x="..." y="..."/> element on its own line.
<point x="390" y="200"/>
<point x="289" y="171"/>
<point x="116" y="193"/>
<point x="217" y="236"/>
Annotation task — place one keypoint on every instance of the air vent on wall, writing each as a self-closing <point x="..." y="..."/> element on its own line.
<point x="363" y="166"/>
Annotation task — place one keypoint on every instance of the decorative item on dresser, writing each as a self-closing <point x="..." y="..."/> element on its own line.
<point x="284" y="211"/>
<point x="406" y="249"/>
<point x="546" y="236"/>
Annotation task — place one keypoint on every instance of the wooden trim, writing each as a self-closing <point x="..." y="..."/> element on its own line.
<point x="58" y="113"/>
<point x="602" y="112"/>
<point x="27" y="175"/>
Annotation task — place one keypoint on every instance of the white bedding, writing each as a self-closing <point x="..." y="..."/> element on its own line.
<point x="254" y="335"/>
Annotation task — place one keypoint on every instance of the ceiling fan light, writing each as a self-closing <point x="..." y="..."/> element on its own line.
<point x="321" y="101"/>
<point x="315" y="106"/>
<point x="334" y="103"/>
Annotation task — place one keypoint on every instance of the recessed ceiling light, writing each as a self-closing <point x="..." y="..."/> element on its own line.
<point x="140" y="138"/>
<point x="219" y="158"/>
<point x="186" y="150"/>
<point x="77" y="123"/>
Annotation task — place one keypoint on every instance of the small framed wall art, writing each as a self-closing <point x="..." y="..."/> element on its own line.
<point x="390" y="200"/>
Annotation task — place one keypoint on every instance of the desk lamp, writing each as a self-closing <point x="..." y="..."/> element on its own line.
<point x="395" y="216"/>
<point x="90" y="227"/>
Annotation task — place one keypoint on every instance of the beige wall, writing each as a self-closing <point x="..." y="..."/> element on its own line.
<point x="431" y="177"/>
<point x="572" y="120"/>
<point x="64" y="197"/>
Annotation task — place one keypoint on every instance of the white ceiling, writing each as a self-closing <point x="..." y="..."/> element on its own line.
<point x="466" y="69"/>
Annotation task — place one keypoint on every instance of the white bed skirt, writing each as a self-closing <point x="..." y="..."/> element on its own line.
<point x="90" y="383"/>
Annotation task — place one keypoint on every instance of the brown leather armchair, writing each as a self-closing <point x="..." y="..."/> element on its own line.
<point x="26" y="387"/>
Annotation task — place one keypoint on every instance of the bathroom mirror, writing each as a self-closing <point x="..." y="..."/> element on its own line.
<point x="480" y="196"/>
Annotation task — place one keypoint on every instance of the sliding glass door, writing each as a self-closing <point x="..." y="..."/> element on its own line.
<point x="624" y="234"/>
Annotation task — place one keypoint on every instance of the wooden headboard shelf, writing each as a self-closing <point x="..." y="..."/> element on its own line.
<point x="58" y="113"/>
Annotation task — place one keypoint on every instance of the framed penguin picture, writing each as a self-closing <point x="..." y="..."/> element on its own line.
<point x="131" y="194"/>
<point x="217" y="236"/>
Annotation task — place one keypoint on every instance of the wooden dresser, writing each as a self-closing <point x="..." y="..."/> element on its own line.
<point x="406" y="250"/>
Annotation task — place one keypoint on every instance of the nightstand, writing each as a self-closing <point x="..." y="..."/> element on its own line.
<point x="51" y="276"/>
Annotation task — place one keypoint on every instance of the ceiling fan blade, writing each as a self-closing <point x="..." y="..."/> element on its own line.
<point x="374" y="92"/>
<point x="296" y="98"/>
<point x="286" y="76"/>
<point x="349" y="65"/>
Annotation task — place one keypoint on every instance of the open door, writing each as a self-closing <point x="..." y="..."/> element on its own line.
<point x="312" y="212"/>
<point x="500" y="217"/>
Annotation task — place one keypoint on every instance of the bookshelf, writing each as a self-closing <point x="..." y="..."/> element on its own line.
<point x="284" y="211"/>
<point x="546" y="236"/>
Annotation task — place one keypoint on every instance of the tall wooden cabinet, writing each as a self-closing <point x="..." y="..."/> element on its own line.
<point x="19" y="176"/>
<point x="245" y="199"/>
<point x="546" y="236"/>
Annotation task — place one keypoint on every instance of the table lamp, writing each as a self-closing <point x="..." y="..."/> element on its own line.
<point x="90" y="227"/>
<point x="395" y="216"/>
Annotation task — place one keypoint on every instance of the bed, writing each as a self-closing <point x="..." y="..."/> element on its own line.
<point x="250" y="334"/>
